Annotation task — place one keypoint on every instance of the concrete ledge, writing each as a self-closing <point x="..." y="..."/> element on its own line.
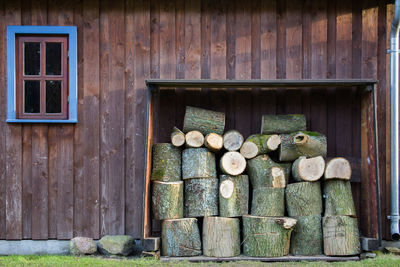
<point x="277" y="259"/>
<point x="34" y="247"/>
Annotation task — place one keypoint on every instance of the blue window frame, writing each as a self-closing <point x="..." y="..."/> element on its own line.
<point x="69" y="31"/>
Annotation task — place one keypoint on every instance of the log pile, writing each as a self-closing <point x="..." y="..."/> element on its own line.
<point x="272" y="183"/>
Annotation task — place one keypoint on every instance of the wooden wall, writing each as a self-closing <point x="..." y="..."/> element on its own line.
<point x="60" y="181"/>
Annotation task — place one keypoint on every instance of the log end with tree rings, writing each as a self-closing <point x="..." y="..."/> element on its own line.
<point x="233" y="195"/>
<point x="338" y="168"/>
<point x="214" y="142"/>
<point x="226" y="188"/>
<point x="194" y="139"/>
<point x="278" y="177"/>
<point x="249" y="150"/>
<point x="233" y="163"/>
<point x="308" y="169"/>
<point x="273" y="142"/>
<point x="177" y="137"/>
<point x="233" y="140"/>
<point x="257" y="144"/>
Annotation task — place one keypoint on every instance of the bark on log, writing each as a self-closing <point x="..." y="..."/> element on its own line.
<point x="304" y="199"/>
<point x="167" y="200"/>
<point x="198" y="163"/>
<point x="233" y="140"/>
<point x="307" y="236"/>
<point x="295" y="145"/>
<point x="338" y="198"/>
<point x="180" y="238"/>
<point x="232" y="163"/>
<point x="259" y="144"/>
<point x="264" y="172"/>
<point x="268" y="201"/>
<point x="166" y="163"/>
<point x="201" y="197"/>
<point x="287" y="169"/>
<point x="205" y="121"/>
<point x="221" y="237"/>
<point x="341" y="236"/>
<point x="338" y="168"/>
<point x="281" y="124"/>
<point x="308" y="169"/>
<point x="177" y="137"/>
<point x="214" y="142"/>
<point x="233" y="195"/>
<point x="194" y="139"/>
<point x="267" y="236"/>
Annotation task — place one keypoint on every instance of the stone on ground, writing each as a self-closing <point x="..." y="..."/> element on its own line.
<point x="117" y="245"/>
<point x="82" y="246"/>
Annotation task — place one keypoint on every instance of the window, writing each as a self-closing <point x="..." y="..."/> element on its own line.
<point x="41" y="74"/>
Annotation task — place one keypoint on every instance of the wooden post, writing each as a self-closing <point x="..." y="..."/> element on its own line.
<point x="307" y="236"/>
<point x="338" y="198"/>
<point x="198" y="163"/>
<point x="268" y="201"/>
<point x="264" y="172"/>
<point x="167" y="200"/>
<point x="205" y="121"/>
<point x="233" y="195"/>
<point x="221" y="237"/>
<point x="166" y="163"/>
<point x="283" y="124"/>
<point x="304" y="199"/>
<point x="201" y="197"/>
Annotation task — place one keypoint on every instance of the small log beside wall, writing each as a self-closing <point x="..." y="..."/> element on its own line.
<point x="218" y="99"/>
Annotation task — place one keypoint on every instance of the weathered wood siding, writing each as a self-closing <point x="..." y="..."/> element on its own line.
<point x="59" y="181"/>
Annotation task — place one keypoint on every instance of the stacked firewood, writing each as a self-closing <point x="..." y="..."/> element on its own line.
<point x="284" y="164"/>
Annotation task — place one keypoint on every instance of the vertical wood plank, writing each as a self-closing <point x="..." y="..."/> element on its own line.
<point x="255" y="65"/>
<point x="230" y="63"/>
<point x="3" y="99"/>
<point x="281" y="53"/>
<point x="218" y="42"/>
<point x="180" y="49"/>
<point x="205" y="36"/>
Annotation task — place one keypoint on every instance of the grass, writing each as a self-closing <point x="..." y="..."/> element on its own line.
<point x="384" y="260"/>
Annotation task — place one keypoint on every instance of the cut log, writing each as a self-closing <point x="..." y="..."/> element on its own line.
<point x="232" y="163"/>
<point x="201" y="197"/>
<point x="180" y="238"/>
<point x="341" y="236"/>
<point x="268" y="201"/>
<point x="338" y="198"/>
<point x="177" y="137"/>
<point x="259" y="144"/>
<point x="194" y="139"/>
<point x="264" y="172"/>
<point x="166" y="163"/>
<point x="233" y="195"/>
<point x="214" y="142"/>
<point x="338" y="168"/>
<point x="233" y="140"/>
<point x="287" y="169"/>
<point x="304" y="199"/>
<point x="205" y="121"/>
<point x="307" y="236"/>
<point x="308" y="170"/>
<point x="198" y="163"/>
<point x="267" y="236"/>
<point x="283" y="124"/>
<point x="308" y="144"/>
<point x="221" y="237"/>
<point x="167" y="200"/>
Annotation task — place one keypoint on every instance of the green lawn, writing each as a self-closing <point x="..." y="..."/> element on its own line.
<point x="384" y="260"/>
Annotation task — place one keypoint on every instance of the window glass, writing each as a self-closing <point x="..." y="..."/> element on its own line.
<point x="32" y="59"/>
<point x="31" y="96"/>
<point x="53" y="96"/>
<point x="53" y="58"/>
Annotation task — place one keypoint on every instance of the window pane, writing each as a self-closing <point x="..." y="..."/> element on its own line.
<point x="53" y="96"/>
<point x="53" y="58"/>
<point x="32" y="59"/>
<point x="32" y="97"/>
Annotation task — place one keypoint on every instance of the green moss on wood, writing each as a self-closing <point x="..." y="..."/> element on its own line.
<point x="166" y="163"/>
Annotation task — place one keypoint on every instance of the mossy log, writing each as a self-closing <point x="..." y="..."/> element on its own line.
<point x="338" y="168"/>
<point x="167" y="200"/>
<point x="214" y="142"/>
<point x="259" y="144"/>
<point x="221" y="237"/>
<point x="281" y="124"/>
<point x="233" y="195"/>
<point x="198" y="163"/>
<point x="287" y="169"/>
<point x="177" y="137"/>
<point x="308" y="169"/>
<point x="205" y="121"/>
<point x="307" y="236"/>
<point x="268" y="201"/>
<point x="264" y="172"/>
<point x="201" y="197"/>
<point x="232" y="163"/>
<point x="341" y="236"/>
<point x="180" y="238"/>
<point x="303" y="199"/>
<point x="233" y="140"/>
<point x="338" y="198"/>
<point x="308" y="144"/>
<point x="166" y="163"/>
<point x="194" y="139"/>
<point x="267" y="236"/>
